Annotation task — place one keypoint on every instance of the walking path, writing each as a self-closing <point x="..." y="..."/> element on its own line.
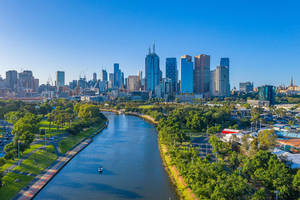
<point x="11" y="168"/>
<point x="41" y="180"/>
<point x="45" y="177"/>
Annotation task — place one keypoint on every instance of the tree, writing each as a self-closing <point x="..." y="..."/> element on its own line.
<point x="296" y="181"/>
<point x="267" y="139"/>
<point x="13" y="116"/>
<point x="220" y="147"/>
<point x="260" y="195"/>
<point x="50" y="119"/>
<point x="2" y="161"/>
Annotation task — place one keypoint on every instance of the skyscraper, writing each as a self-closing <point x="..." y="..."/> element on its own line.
<point x="152" y="70"/>
<point x="202" y="74"/>
<point x="171" y="72"/>
<point x="246" y="87"/>
<point x="140" y="74"/>
<point x="103" y="75"/>
<point x="117" y="75"/>
<point x="219" y="85"/>
<point x="267" y="93"/>
<point x="12" y="79"/>
<point x="94" y="77"/>
<point x="133" y="83"/>
<point x="187" y="77"/>
<point x="60" y="79"/>
<point x="26" y="79"/>
<point x="224" y="62"/>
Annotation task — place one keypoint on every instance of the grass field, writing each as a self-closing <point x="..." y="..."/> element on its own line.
<point x="146" y="106"/>
<point x="53" y="130"/>
<point x="38" y="161"/>
<point x="69" y="142"/>
<point x="13" y="183"/>
<point x="27" y="151"/>
<point x="35" y="164"/>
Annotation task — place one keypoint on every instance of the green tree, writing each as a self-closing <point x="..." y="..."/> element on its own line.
<point x="296" y="181"/>
<point x="267" y="139"/>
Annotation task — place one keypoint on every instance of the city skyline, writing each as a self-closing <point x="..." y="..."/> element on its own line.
<point x="40" y="41"/>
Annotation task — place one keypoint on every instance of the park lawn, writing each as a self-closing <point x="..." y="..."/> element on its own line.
<point x="72" y="140"/>
<point x="10" y="162"/>
<point x="11" y="187"/>
<point x="31" y="148"/>
<point x="7" y="164"/>
<point x="146" y="106"/>
<point x="44" y="124"/>
<point x="54" y="130"/>
<point x="38" y="161"/>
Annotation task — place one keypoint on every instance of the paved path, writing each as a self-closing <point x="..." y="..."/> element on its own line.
<point x="45" y="177"/>
<point x="11" y="168"/>
<point x="23" y="173"/>
<point x="41" y="180"/>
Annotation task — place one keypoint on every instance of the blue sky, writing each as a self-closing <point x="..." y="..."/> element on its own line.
<point x="262" y="38"/>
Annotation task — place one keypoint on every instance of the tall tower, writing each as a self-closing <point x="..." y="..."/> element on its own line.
<point x="171" y="72"/>
<point x="219" y="83"/>
<point x="60" y="78"/>
<point x="292" y="82"/>
<point x="12" y="79"/>
<point x="94" y="77"/>
<point x="201" y="74"/>
<point x="103" y="75"/>
<point x="152" y="70"/>
<point x="187" y="65"/>
<point x="224" y="63"/>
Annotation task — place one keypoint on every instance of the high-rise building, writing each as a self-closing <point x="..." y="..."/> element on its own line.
<point x="133" y="83"/>
<point x="171" y="72"/>
<point x="26" y="80"/>
<point x="267" y="93"/>
<point x="117" y="76"/>
<point x="36" y="84"/>
<point x="60" y="79"/>
<point x="152" y="70"/>
<point x="224" y="62"/>
<point x="201" y="74"/>
<point x="219" y="82"/>
<point x="111" y="80"/>
<point x="122" y="80"/>
<point x="187" y="66"/>
<point x="246" y="87"/>
<point x="94" y="77"/>
<point x="103" y="76"/>
<point x="140" y="74"/>
<point x="12" y="79"/>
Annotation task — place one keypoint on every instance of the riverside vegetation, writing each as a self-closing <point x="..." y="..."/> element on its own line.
<point x="63" y="123"/>
<point x="248" y="171"/>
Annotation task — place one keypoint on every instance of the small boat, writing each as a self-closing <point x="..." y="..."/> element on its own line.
<point x="100" y="169"/>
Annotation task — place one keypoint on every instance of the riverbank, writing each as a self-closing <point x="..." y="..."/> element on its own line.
<point x="41" y="180"/>
<point x="145" y="117"/>
<point x="183" y="191"/>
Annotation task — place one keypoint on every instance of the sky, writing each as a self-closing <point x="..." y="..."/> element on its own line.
<point x="261" y="37"/>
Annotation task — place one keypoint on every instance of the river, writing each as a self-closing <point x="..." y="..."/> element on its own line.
<point x="128" y="151"/>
